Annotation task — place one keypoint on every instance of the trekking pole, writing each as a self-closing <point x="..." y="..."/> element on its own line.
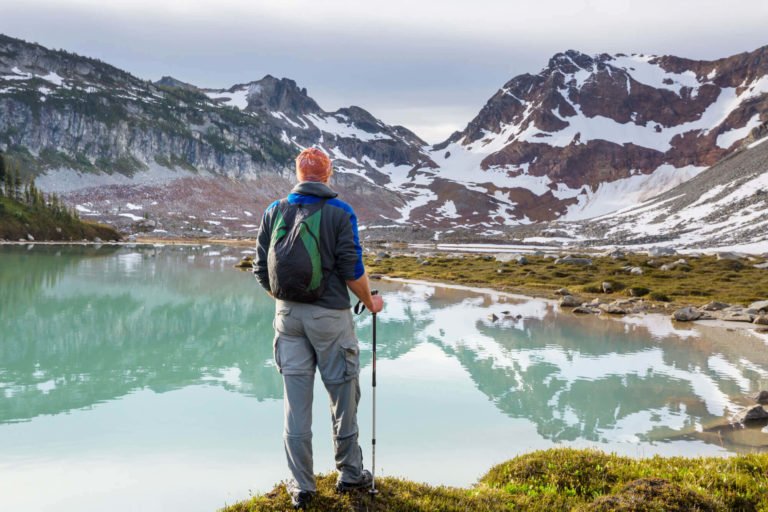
<point x="373" y="490"/>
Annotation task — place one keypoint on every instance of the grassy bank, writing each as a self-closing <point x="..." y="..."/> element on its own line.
<point x="703" y="279"/>
<point x="564" y="479"/>
<point x="17" y="220"/>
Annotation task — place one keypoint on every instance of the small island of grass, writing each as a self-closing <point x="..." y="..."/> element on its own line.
<point x="562" y="479"/>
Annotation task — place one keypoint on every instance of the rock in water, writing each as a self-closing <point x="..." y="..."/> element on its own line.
<point x="761" y="397"/>
<point x="761" y="320"/>
<point x="754" y="413"/>
<point x="686" y="314"/>
<point x="569" y="301"/>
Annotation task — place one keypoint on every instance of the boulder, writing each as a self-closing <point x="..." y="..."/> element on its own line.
<point x="562" y="292"/>
<point x="715" y="306"/>
<point x="754" y="413"/>
<point x="686" y="314"/>
<point x="424" y="262"/>
<point x="636" y="271"/>
<point x="613" y="309"/>
<point x="583" y="310"/>
<point x="607" y="287"/>
<point x="569" y="301"/>
<point x="761" y="320"/>
<point x="572" y="260"/>
<point x="97" y="240"/>
<point x="30" y="237"/>
<point x="761" y="397"/>
<point x="504" y="258"/>
<point x="761" y="306"/>
<point x="492" y="317"/>
<point x="730" y="256"/>
<point x="738" y="316"/>
<point x="521" y="260"/>
<point x="655" y="252"/>
<point x="382" y="254"/>
<point x="614" y="254"/>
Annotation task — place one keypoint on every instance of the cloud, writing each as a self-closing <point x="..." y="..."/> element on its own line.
<point x="410" y="62"/>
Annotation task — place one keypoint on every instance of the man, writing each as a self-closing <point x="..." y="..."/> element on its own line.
<point x="316" y="330"/>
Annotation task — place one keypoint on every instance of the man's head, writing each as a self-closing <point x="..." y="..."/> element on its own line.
<point x="313" y="165"/>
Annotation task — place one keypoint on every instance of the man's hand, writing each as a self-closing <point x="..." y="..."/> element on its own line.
<point x="377" y="304"/>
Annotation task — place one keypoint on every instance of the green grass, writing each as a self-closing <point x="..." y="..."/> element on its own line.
<point x="563" y="479"/>
<point x="17" y="220"/>
<point x="703" y="280"/>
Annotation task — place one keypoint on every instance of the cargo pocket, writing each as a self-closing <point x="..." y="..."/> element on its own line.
<point x="284" y="323"/>
<point x="351" y="357"/>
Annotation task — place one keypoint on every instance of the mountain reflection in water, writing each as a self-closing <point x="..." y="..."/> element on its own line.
<point x="81" y="326"/>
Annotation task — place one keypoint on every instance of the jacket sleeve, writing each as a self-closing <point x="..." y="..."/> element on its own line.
<point x="262" y="249"/>
<point x="349" y="253"/>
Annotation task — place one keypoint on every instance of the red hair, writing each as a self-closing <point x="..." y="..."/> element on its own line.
<point x="313" y="165"/>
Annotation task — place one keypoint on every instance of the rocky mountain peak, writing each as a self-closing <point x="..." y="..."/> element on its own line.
<point x="278" y="95"/>
<point x="169" y="81"/>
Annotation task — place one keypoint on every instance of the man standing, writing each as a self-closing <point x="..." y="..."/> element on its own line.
<point x="308" y="255"/>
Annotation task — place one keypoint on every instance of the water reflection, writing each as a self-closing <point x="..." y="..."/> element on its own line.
<point x="80" y="326"/>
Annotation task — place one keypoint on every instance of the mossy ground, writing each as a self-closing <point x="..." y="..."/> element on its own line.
<point x="17" y="220"/>
<point x="563" y="479"/>
<point x="704" y="279"/>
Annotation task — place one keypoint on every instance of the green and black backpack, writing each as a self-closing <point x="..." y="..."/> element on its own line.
<point x="294" y="261"/>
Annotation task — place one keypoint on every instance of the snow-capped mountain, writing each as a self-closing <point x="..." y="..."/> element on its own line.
<point x="726" y="205"/>
<point x="585" y="136"/>
<point x="591" y="134"/>
<point x="191" y="160"/>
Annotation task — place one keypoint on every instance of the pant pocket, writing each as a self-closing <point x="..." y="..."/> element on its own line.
<point x="351" y="357"/>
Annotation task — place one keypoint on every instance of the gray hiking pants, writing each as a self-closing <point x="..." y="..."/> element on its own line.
<point x="309" y="337"/>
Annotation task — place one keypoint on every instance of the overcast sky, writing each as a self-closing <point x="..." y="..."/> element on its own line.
<point x="426" y="64"/>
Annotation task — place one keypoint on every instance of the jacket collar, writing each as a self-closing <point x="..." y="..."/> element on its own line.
<point x="314" y="188"/>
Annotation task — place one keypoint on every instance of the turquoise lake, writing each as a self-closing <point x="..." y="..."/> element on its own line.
<point x="141" y="379"/>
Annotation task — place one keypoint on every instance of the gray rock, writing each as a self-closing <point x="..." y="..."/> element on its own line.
<point x="562" y="291"/>
<point x="30" y="237"/>
<point x="761" y="305"/>
<point x="615" y="254"/>
<point x="583" y="310"/>
<point x="569" y="301"/>
<point x="754" y="413"/>
<point x="655" y="252"/>
<point x="715" y="306"/>
<point x="424" y="262"/>
<point x="97" y="240"/>
<point x="613" y="309"/>
<point x="761" y="397"/>
<point x="636" y="271"/>
<point x="653" y="263"/>
<point x="733" y="316"/>
<point x="522" y="260"/>
<point x="607" y="287"/>
<point x="492" y="317"/>
<point x="730" y="256"/>
<point x="761" y="320"/>
<point x="382" y="254"/>
<point x="504" y="258"/>
<point x="686" y="314"/>
<point x="571" y="260"/>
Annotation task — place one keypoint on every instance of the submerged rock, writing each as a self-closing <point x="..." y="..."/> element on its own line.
<point x="584" y="310"/>
<point x="686" y="314"/>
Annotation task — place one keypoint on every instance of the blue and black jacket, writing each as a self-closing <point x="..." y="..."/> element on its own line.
<point x="339" y="242"/>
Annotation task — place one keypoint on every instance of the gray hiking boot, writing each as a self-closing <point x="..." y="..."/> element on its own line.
<point x="365" y="481"/>
<point x="299" y="499"/>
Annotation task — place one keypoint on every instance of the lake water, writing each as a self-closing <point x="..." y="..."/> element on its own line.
<point x="141" y="378"/>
